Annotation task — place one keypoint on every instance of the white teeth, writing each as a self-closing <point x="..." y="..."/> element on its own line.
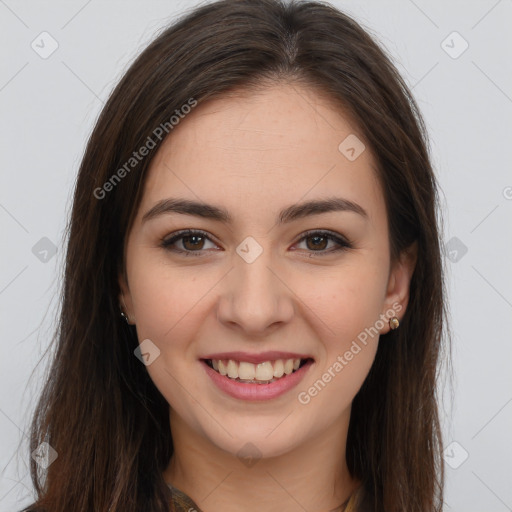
<point x="266" y="371"/>
<point x="246" y="371"/>
<point x="278" y="368"/>
<point x="288" y="366"/>
<point x="222" y="368"/>
<point x="232" y="369"/>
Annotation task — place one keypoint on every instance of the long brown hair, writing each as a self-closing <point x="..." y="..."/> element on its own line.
<point x="99" y="408"/>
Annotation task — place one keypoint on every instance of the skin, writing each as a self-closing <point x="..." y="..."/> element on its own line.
<point x="255" y="153"/>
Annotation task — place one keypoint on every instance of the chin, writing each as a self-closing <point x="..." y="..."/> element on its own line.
<point x="262" y="440"/>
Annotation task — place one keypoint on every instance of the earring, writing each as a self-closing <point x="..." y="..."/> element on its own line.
<point x="123" y="314"/>
<point x="394" y="323"/>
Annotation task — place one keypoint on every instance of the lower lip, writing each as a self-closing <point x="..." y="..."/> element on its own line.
<point x="247" y="391"/>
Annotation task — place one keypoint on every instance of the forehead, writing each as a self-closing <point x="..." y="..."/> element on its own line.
<point x="253" y="150"/>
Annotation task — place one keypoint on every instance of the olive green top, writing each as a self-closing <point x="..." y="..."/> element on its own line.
<point x="180" y="502"/>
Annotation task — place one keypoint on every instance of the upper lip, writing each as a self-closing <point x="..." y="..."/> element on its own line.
<point x="261" y="357"/>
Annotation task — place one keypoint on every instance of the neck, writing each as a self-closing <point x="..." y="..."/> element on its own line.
<point x="312" y="476"/>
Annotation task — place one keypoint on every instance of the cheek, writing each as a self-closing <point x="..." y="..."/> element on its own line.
<point x="167" y="302"/>
<point x="345" y="301"/>
<point x="163" y="296"/>
<point x="346" y="326"/>
<point x="171" y="308"/>
<point x="344" y="313"/>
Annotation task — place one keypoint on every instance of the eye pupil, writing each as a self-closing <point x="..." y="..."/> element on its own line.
<point x="316" y="238"/>
<point x="195" y="244"/>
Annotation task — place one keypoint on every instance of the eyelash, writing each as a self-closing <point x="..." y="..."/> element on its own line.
<point x="167" y="243"/>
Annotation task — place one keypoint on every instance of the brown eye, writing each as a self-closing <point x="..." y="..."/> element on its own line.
<point x="188" y="242"/>
<point x="317" y="241"/>
<point x="192" y="242"/>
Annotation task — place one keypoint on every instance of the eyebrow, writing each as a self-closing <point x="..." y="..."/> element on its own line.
<point x="288" y="214"/>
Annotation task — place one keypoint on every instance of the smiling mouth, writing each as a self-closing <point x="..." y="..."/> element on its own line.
<point x="261" y="373"/>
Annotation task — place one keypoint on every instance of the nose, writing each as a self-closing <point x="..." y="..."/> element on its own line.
<point x="255" y="298"/>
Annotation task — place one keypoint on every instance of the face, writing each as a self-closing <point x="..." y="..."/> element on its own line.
<point x="263" y="279"/>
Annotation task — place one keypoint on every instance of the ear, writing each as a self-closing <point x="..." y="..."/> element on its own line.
<point x="125" y="298"/>
<point x="397" y="293"/>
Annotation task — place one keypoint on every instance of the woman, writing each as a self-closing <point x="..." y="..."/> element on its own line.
<point x="253" y="302"/>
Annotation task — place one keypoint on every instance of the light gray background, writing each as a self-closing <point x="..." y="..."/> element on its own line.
<point x="48" y="107"/>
